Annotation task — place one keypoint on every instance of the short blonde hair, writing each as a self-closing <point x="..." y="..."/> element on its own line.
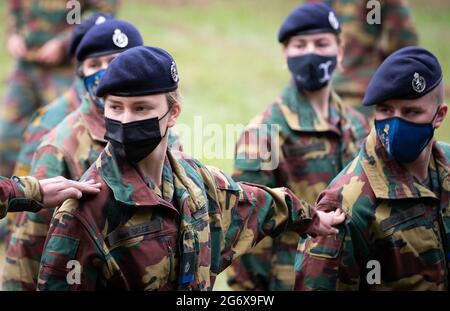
<point x="172" y="98"/>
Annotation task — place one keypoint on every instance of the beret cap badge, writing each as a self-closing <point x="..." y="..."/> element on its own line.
<point x="418" y="83"/>
<point x="174" y="72"/>
<point x="333" y="20"/>
<point x="120" y="39"/>
<point x="100" y="20"/>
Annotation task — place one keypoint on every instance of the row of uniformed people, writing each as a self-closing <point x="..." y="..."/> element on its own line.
<point x="75" y="143"/>
<point x="196" y="220"/>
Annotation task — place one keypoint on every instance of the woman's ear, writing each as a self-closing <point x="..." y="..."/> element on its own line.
<point x="340" y="56"/>
<point x="79" y="70"/>
<point x="174" y="113"/>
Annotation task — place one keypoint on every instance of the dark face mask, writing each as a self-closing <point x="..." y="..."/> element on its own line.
<point x="134" y="140"/>
<point x="311" y="72"/>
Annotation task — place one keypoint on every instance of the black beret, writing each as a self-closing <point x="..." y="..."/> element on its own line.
<point x="309" y="18"/>
<point x="112" y="36"/>
<point x="140" y="71"/>
<point x="408" y="73"/>
<point x="81" y="29"/>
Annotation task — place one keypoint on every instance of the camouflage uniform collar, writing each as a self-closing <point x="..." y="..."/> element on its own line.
<point x="166" y="190"/>
<point x="79" y="89"/>
<point x="74" y="94"/>
<point x="130" y="187"/>
<point x="93" y="119"/>
<point x="301" y="116"/>
<point x="389" y="180"/>
<point x="185" y="187"/>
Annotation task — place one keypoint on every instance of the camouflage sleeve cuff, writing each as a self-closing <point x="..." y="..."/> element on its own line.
<point x="27" y="195"/>
<point x="308" y="215"/>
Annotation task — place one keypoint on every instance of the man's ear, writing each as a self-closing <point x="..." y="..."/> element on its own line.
<point x="174" y="113"/>
<point x="440" y="117"/>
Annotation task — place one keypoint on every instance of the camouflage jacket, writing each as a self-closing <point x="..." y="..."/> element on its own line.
<point x="394" y="224"/>
<point x="68" y="150"/>
<point x="44" y="120"/>
<point x="19" y="194"/>
<point x="367" y="45"/>
<point x="311" y="152"/>
<point x="39" y="21"/>
<point x="134" y="236"/>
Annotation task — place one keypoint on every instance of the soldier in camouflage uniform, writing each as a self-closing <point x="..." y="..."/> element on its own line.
<point x="164" y="221"/>
<point x="367" y="45"/>
<point x="313" y="147"/>
<point x="68" y="150"/>
<point x="38" y="37"/>
<point x="48" y="117"/>
<point x="396" y="193"/>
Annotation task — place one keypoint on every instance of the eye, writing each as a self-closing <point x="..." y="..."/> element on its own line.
<point x="412" y="113"/>
<point x="141" y="108"/>
<point x="115" y="107"/>
<point x="322" y="44"/>
<point x="299" y="44"/>
<point x="387" y="111"/>
<point x="92" y="65"/>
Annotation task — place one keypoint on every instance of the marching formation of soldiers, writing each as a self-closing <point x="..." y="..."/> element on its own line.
<point x="100" y="176"/>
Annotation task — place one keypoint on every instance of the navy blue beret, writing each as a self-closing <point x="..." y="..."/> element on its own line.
<point x="140" y="71"/>
<point x="111" y="36"/>
<point x="309" y="18"/>
<point x="408" y="73"/>
<point x="81" y="29"/>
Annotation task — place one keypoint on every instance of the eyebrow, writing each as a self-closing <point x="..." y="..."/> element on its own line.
<point x="113" y="101"/>
<point x="419" y="107"/>
<point x="298" y="39"/>
<point x="382" y="105"/>
<point x="137" y="102"/>
<point x="142" y="102"/>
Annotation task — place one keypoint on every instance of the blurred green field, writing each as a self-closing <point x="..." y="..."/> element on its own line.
<point x="230" y="61"/>
<point x="228" y="57"/>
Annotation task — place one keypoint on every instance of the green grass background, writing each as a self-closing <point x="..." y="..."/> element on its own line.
<point x="229" y="60"/>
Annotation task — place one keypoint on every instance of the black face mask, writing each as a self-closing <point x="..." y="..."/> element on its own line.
<point x="311" y="72"/>
<point x="134" y="140"/>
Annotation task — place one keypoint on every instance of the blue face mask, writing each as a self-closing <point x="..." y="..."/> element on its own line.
<point x="91" y="83"/>
<point x="404" y="140"/>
